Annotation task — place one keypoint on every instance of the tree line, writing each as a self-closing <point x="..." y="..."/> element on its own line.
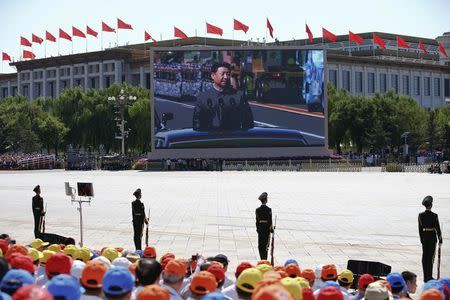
<point x="87" y="119"/>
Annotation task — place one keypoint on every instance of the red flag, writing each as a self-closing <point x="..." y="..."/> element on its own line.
<point x="91" y="31"/>
<point x="379" y="41"/>
<point x="78" y="32"/>
<point x="5" y="56"/>
<point x="28" y="54"/>
<point x="49" y="37"/>
<point x="147" y="36"/>
<point x="422" y="47"/>
<point x="179" y="34"/>
<point x="106" y="28"/>
<point x="402" y="43"/>
<point x="328" y="35"/>
<point x="442" y="50"/>
<point x="24" y="42"/>
<point x="122" y="25"/>
<point x="240" y="26"/>
<point x="36" y="39"/>
<point x="213" y="29"/>
<point x="269" y="26"/>
<point x="355" y="38"/>
<point x="310" y="35"/>
<point x="64" y="35"/>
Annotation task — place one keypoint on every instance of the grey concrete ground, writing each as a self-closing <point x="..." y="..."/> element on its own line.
<point x="321" y="217"/>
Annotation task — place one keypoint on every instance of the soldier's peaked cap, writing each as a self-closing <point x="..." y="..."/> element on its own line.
<point x="37" y="188"/>
<point x="427" y="201"/>
<point x="263" y="196"/>
<point x="137" y="192"/>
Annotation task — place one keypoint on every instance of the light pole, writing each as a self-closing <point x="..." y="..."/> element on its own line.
<point x="121" y="102"/>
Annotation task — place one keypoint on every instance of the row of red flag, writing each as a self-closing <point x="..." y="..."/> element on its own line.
<point x="210" y="28"/>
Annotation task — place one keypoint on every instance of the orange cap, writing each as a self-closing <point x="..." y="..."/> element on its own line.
<point x="149" y="252"/>
<point x="329" y="272"/>
<point x="385" y="283"/>
<point x="175" y="267"/>
<point x="432" y="294"/>
<point x="153" y="292"/>
<point x="293" y="270"/>
<point x="16" y="249"/>
<point x="309" y="275"/>
<point x="92" y="274"/>
<point x="264" y="262"/>
<point x="272" y="292"/>
<point x="203" y="282"/>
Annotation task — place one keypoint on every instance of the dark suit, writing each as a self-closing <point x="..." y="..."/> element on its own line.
<point x="138" y="212"/>
<point x="38" y="210"/>
<point x="430" y="233"/>
<point x="264" y="228"/>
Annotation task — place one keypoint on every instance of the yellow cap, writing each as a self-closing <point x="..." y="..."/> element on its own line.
<point x="346" y="276"/>
<point x="45" y="255"/>
<point x="70" y="250"/>
<point x="83" y="254"/>
<point x="35" y="254"/>
<point x="38" y="243"/>
<point x="264" y="268"/>
<point x="54" y="247"/>
<point x="293" y="287"/>
<point x="248" y="279"/>
<point x="111" y="253"/>
<point x="304" y="283"/>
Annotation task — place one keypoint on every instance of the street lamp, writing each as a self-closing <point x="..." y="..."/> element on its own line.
<point x="121" y="102"/>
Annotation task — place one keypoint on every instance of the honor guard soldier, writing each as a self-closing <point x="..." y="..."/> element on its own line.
<point x="430" y="232"/>
<point x="138" y="212"/>
<point x="38" y="210"/>
<point x="263" y="226"/>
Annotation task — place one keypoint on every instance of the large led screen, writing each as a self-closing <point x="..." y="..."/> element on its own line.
<point x="238" y="98"/>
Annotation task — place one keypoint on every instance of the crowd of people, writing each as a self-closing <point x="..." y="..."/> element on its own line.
<point x="11" y="161"/>
<point x="44" y="271"/>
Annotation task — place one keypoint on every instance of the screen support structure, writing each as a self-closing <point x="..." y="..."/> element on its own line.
<point x="70" y="191"/>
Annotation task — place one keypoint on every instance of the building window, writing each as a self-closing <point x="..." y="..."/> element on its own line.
<point x="416" y="85"/>
<point x="346" y="80"/>
<point x="38" y="90"/>
<point x="394" y="83"/>
<point x="383" y="83"/>
<point x="4" y="92"/>
<point x="25" y="90"/>
<point x="405" y="85"/>
<point x="14" y="90"/>
<point x="437" y="87"/>
<point x="332" y="77"/>
<point x="446" y="87"/>
<point x="427" y="86"/>
<point x="371" y="83"/>
<point x="358" y="82"/>
<point x="93" y="82"/>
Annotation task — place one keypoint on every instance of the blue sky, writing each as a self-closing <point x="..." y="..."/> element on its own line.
<point x="423" y="18"/>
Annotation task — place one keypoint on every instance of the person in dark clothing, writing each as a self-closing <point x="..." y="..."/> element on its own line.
<point x="38" y="210"/>
<point x="263" y="226"/>
<point x="430" y="233"/>
<point x="221" y="107"/>
<point x="138" y="212"/>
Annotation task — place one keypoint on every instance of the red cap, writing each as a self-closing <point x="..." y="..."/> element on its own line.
<point x="58" y="263"/>
<point x="329" y="272"/>
<point x="293" y="270"/>
<point x="432" y="294"/>
<point x="330" y="293"/>
<point x="241" y="267"/>
<point x="168" y="254"/>
<point x="175" y="267"/>
<point x="364" y="280"/>
<point x="14" y="249"/>
<point x="308" y="294"/>
<point x="218" y="272"/>
<point x="19" y="261"/>
<point x="149" y="252"/>
<point x="203" y="283"/>
<point x="263" y="262"/>
<point x="309" y="275"/>
<point x="153" y="292"/>
<point x="32" y="292"/>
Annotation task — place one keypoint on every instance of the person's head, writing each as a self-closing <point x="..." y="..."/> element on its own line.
<point x="37" y="189"/>
<point x="174" y="272"/>
<point x="427" y="202"/>
<point x="223" y="259"/>
<point x="32" y="292"/>
<point x="138" y="194"/>
<point x="377" y="291"/>
<point x="153" y="292"/>
<point x="64" y="287"/>
<point x="241" y="267"/>
<point x="363" y="281"/>
<point x="263" y="198"/>
<point x="203" y="283"/>
<point x="220" y="74"/>
<point x="219" y="273"/>
<point x="118" y="283"/>
<point x="92" y="276"/>
<point x="345" y="278"/>
<point x="411" y="281"/>
<point x="247" y="281"/>
<point x="15" y="279"/>
<point x="58" y="263"/>
<point x="309" y="275"/>
<point x="4" y="267"/>
<point x="328" y="272"/>
<point x="149" y="252"/>
<point x="396" y="281"/>
<point x="148" y="271"/>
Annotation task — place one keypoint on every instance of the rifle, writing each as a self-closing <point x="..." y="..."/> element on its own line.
<point x="439" y="263"/>
<point x="272" y="246"/>
<point x="43" y="219"/>
<point x="146" y="228"/>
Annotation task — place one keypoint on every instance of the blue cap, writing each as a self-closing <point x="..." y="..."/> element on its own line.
<point x="66" y="286"/>
<point x="445" y="281"/>
<point x="117" y="281"/>
<point x="4" y="296"/>
<point x="139" y="252"/>
<point x="330" y="283"/>
<point x="291" y="261"/>
<point x="395" y="280"/>
<point x="215" y="296"/>
<point x="434" y="284"/>
<point x="15" y="279"/>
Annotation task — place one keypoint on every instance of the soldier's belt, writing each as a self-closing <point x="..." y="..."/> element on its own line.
<point x="263" y="221"/>
<point x="428" y="229"/>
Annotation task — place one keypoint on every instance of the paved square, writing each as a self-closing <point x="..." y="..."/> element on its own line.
<point x="321" y="217"/>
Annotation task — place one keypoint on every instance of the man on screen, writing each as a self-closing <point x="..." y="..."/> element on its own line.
<point x="221" y="107"/>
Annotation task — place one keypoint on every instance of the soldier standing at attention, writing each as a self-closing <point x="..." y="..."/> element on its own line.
<point x="138" y="212"/>
<point x="430" y="232"/>
<point x="263" y="226"/>
<point x="38" y="210"/>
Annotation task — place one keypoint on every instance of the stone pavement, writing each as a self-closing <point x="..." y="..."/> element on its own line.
<point x="321" y="217"/>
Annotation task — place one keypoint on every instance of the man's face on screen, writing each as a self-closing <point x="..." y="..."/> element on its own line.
<point x="221" y="77"/>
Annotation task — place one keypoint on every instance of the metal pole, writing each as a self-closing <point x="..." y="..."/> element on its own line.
<point x="80" y="209"/>
<point x="122" y="129"/>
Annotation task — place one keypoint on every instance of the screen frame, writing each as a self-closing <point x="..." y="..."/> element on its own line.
<point x="256" y="152"/>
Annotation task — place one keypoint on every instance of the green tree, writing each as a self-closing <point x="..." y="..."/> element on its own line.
<point x="140" y="125"/>
<point x="51" y="132"/>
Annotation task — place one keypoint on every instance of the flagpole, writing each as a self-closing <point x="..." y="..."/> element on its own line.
<point x="373" y="45"/>
<point x="265" y="41"/>
<point x="117" y="36"/>
<point x="58" y="47"/>
<point x="45" y="48"/>
<point x="205" y="32"/>
<point x="349" y="50"/>
<point x="102" y="37"/>
<point x="232" y="35"/>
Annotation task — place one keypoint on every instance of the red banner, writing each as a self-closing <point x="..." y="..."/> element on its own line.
<point x="6" y="57"/>
<point x="179" y="34"/>
<point x="122" y="25"/>
<point x="24" y="42"/>
<point x="91" y="31"/>
<point x="355" y="38"/>
<point x="106" y="28"/>
<point x="328" y="35"/>
<point x="239" y="26"/>
<point x="310" y="35"/>
<point x="36" y="39"/>
<point x="64" y="35"/>
<point x="28" y="54"/>
<point x="213" y="29"/>
<point x="49" y="37"/>
<point x="401" y="43"/>
<point x="78" y="32"/>
<point x="269" y="26"/>
<point x="379" y="41"/>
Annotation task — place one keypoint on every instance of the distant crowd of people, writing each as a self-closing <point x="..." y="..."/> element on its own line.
<point x="12" y="161"/>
